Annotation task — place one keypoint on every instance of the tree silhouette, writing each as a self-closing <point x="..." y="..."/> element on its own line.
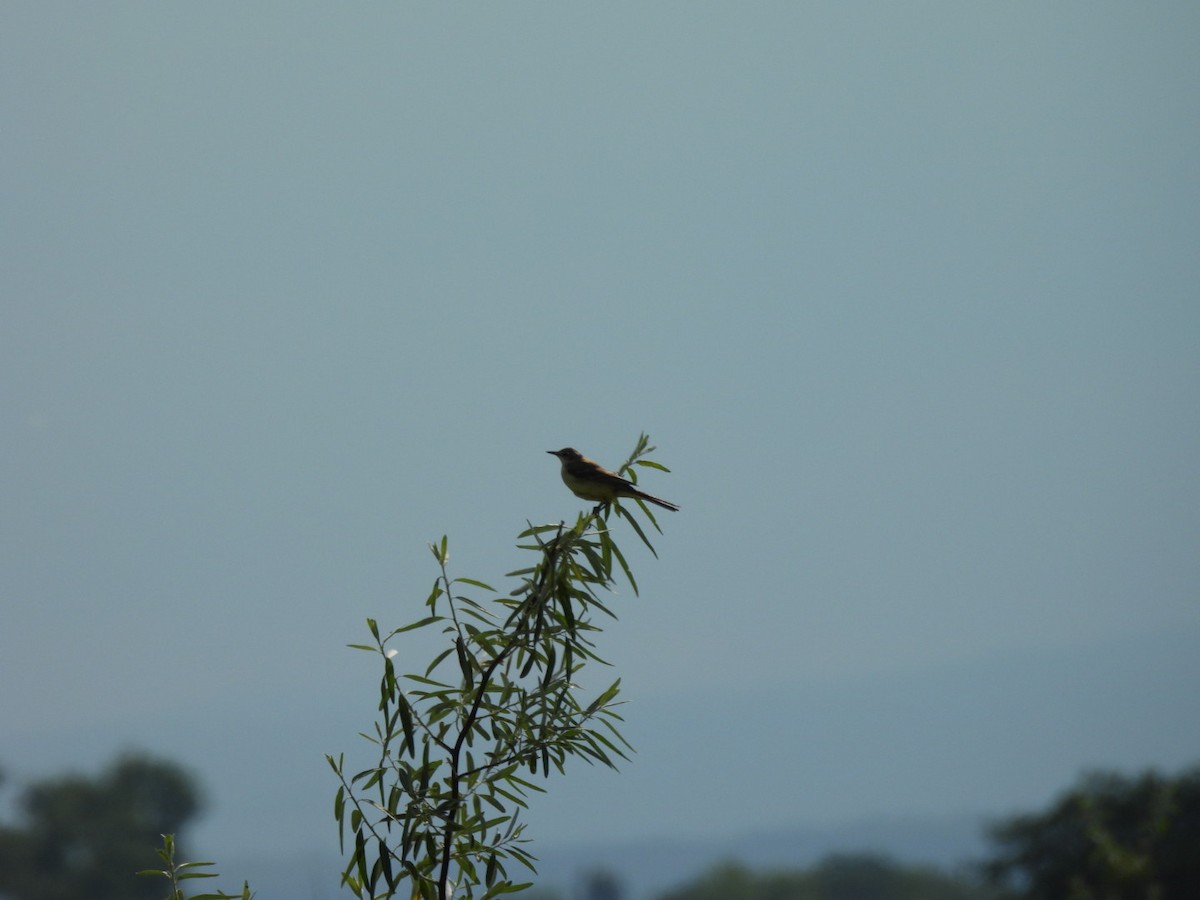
<point x="1110" y="838"/>
<point x="600" y="884"/>
<point x="87" y="837"/>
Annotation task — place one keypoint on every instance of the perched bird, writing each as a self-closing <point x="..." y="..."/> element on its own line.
<point x="591" y="481"/>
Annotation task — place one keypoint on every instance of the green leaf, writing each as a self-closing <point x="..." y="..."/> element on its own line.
<point x="466" y="662"/>
<point x="385" y="858"/>
<point x="428" y="620"/>
<point x="434" y="593"/>
<point x="478" y="584"/>
<point x="612" y="691"/>
<point x="638" y="528"/>
<point x="360" y="856"/>
<point x="406" y="722"/>
<point x="548" y="678"/>
<point x="505" y="887"/>
<point x="538" y="529"/>
<point x="440" y="551"/>
<point x="651" y="464"/>
<point x="437" y="659"/>
<point x="421" y="680"/>
<point x="625" y="568"/>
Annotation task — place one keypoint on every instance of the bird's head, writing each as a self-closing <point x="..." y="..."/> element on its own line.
<point x="566" y="453"/>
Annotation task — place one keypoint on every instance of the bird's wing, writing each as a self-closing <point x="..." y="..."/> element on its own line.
<point x="597" y="472"/>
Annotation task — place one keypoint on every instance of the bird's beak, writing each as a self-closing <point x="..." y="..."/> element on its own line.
<point x="552" y="452"/>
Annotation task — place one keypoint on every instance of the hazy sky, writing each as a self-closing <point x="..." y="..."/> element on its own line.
<point x="906" y="294"/>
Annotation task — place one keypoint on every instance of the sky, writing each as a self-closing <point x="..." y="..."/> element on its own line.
<point x="905" y="295"/>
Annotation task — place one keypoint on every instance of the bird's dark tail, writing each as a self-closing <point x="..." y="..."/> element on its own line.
<point x="657" y="501"/>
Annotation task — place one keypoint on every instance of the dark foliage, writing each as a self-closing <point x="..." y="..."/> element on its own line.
<point x="86" y="837"/>
<point x="851" y="877"/>
<point x="1110" y="838"/>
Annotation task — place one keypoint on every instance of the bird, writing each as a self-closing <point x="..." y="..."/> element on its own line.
<point x="589" y="480"/>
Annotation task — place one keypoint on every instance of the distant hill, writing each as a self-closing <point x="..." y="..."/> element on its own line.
<point x="648" y="867"/>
